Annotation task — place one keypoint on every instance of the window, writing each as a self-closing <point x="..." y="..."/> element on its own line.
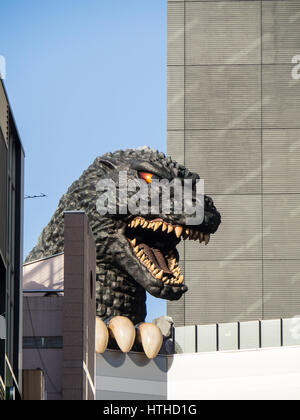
<point x="43" y="342"/>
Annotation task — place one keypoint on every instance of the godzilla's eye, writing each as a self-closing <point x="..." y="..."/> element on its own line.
<point x="147" y="176"/>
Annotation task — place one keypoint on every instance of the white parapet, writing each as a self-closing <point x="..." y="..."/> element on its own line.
<point x="272" y="374"/>
<point x="268" y="374"/>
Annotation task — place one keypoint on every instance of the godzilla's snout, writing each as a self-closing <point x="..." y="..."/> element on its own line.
<point x="212" y="218"/>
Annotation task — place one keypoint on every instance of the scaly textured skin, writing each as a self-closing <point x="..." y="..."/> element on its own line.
<point x="121" y="279"/>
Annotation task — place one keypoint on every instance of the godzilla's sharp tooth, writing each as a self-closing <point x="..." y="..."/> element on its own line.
<point x="151" y="225"/>
<point x="206" y="238"/>
<point x="139" y="254"/>
<point x="165" y="278"/>
<point x="167" y="282"/>
<point x="153" y="267"/>
<point x="157" y="225"/>
<point x="155" y="271"/>
<point x="180" y="280"/>
<point x="143" y="257"/>
<point x="145" y="224"/>
<point x="164" y="227"/>
<point x="187" y="231"/>
<point x="178" y="231"/>
<point x="159" y="275"/>
<point x="133" y="241"/>
<point x="170" y="228"/>
<point x="136" y="249"/>
<point x="142" y="221"/>
<point x="132" y="223"/>
<point x="184" y="235"/>
<point x="137" y="222"/>
<point x="195" y="235"/>
<point x="200" y="237"/>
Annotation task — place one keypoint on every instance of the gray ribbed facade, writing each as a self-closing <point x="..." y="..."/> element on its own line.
<point x="234" y="117"/>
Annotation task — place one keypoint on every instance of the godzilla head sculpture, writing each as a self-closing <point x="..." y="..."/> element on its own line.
<point x="134" y="252"/>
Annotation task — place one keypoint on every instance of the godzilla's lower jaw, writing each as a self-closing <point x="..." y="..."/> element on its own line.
<point x="154" y="244"/>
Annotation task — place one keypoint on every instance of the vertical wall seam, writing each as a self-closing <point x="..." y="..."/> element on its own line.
<point x="262" y="161"/>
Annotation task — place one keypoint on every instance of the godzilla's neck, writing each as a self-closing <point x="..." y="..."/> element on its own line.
<point x="117" y="294"/>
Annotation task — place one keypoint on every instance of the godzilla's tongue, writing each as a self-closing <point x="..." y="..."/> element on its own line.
<point x="157" y="257"/>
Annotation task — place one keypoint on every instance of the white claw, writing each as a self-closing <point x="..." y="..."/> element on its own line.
<point x="123" y="331"/>
<point x="102" y="336"/>
<point x="150" y="336"/>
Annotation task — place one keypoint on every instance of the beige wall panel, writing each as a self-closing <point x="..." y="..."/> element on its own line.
<point x="229" y="161"/>
<point x="223" y="294"/>
<point x="176" y="34"/>
<point x="281" y="289"/>
<point x="281" y="31"/>
<point x="175" y="145"/>
<point x="175" y="98"/>
<point x="223" y="33"/>
<point x="239" y="235"/>
<point x="281" y="154"/>
<point x="281" y="97"/>
<point x="223" y="97"/>
<point x="281" y="226"/>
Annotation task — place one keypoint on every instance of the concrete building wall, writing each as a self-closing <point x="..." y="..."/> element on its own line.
<point x="79" y="309"/>
<point x="234" y="117"/>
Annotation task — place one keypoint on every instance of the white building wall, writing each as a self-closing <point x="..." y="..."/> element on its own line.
<point x="272" y="374"/>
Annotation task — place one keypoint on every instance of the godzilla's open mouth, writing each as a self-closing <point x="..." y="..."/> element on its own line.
<point x="154" y="244"/>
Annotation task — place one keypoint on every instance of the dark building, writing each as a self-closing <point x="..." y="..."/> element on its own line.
<point x="234" y="118"/>
<point x="11" y="253"/>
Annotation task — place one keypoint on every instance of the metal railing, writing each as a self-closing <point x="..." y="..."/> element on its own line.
<point x="237" y="335"/>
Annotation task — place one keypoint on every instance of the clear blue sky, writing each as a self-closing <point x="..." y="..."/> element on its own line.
<point x="84" y="77"/>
